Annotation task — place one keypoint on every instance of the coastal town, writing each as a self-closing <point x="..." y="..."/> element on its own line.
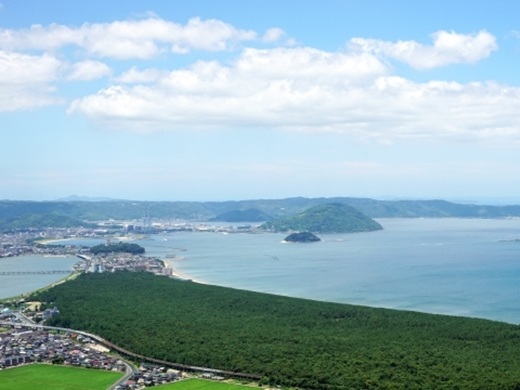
<point x="53" y="242"/>
<point x="24" y="338"/>
<point x="27" y="243"/>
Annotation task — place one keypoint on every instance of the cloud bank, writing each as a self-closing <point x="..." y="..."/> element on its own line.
<point x="142" y="39"/>
<point x="353" y="91"/>
<point x="448" y="48"/>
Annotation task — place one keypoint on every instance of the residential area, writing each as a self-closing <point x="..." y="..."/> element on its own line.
<point x="19" y="345"/>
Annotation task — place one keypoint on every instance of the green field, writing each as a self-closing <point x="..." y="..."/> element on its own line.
<point x="47" y="377"/>
<point x="201" y="384"/>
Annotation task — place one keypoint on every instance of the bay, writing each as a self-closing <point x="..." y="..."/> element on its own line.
<point x="13" y="285"/>
<point x="467" y="267"/>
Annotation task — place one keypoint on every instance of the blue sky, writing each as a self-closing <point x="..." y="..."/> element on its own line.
<point x="207" y="100"/>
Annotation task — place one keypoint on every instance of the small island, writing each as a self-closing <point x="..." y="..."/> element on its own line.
<point x="302" y="237"/>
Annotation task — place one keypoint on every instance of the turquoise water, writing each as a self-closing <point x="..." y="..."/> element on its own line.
<point x="12" y="285"/>
<point x="450" y="266"/>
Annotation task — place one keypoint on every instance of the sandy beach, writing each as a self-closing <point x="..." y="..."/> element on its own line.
<point x="53" y="240"/>
<point x="169" y="264"/>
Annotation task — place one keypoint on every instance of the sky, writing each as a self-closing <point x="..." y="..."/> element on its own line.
<point x="233" y="99"/>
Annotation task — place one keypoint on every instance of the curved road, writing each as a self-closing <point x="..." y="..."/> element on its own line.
<point x="28" y="324"/>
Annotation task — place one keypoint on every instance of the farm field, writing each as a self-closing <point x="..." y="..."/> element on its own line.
<point x="47" y="377"/>
<point x="201" y="384"/>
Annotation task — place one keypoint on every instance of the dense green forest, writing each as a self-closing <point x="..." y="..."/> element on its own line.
<point x="275" y="208"/>
<point x="327" y="218"/>
<point x="36" y="221"/>
<point x="134" y="249"/>
<point x="289" y="341"/>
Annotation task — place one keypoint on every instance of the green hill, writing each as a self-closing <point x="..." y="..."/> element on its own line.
<point x="328" y="218"/>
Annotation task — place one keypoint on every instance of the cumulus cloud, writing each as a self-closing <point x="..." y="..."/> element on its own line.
<point x="135" y="76"/>
<point x="25" y="80"/>
<point x="273" y="35"/>
<point x="448" y="48"/>
<point x="304" y="89"/>
<point x="88" y="70"/>
<point x="141" y="39"/>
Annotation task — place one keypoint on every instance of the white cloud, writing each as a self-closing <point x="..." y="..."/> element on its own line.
<point x="304" y="89"/>
<point x="273" y="35"/>
<point x="448" y="48"/>
<point x="25" y="80"/>
<point x="16" y="68"/>
<point x="135" y="76"/>
<point x="142" y="39"/>
<point x="88" y="70"/>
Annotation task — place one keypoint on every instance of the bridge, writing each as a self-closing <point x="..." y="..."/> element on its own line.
<point x="36" y="272"/>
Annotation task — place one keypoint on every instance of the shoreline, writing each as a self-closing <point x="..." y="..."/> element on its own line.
<point x="169" y="264"/>
<point x="23" y="295"/>
<point x="46" y="241"/>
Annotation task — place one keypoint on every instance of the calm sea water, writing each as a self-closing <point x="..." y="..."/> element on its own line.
<point x="12" y="285"/>
<point x="468" y="267"/>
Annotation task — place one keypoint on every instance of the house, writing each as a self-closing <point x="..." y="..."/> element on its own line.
<point x="48" y="313"/>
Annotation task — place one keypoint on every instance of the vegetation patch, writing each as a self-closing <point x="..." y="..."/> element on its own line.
<point x="50" y="377"/>
<point x="134" y="249"/>
<point x="289" y="341"/>
<point x="302" y="237"/>
<point x="201" y="384"/>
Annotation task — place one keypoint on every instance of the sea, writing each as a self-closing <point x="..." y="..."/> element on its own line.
<point x="14" y="285"/>
<point x="463" y="267"/>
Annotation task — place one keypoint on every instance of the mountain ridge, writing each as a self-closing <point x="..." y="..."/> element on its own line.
<point x="276" y="208"/>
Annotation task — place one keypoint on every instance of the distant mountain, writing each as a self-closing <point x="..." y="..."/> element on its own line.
<point x="76" y="198"/>
<point x="328" y="218"/>
<point x="274" y="208"/>
<point x="249" y="215"/>
<point x="37" y="221"/>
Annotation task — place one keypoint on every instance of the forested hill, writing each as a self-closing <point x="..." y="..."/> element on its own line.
<point x="39" y="221"/>
<point x="275" y="208"/>
<point x="327" y="218"/>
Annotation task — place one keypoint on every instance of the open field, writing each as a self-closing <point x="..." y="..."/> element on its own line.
<point x="47" y="377"/>
<point x="201" y="384"/>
